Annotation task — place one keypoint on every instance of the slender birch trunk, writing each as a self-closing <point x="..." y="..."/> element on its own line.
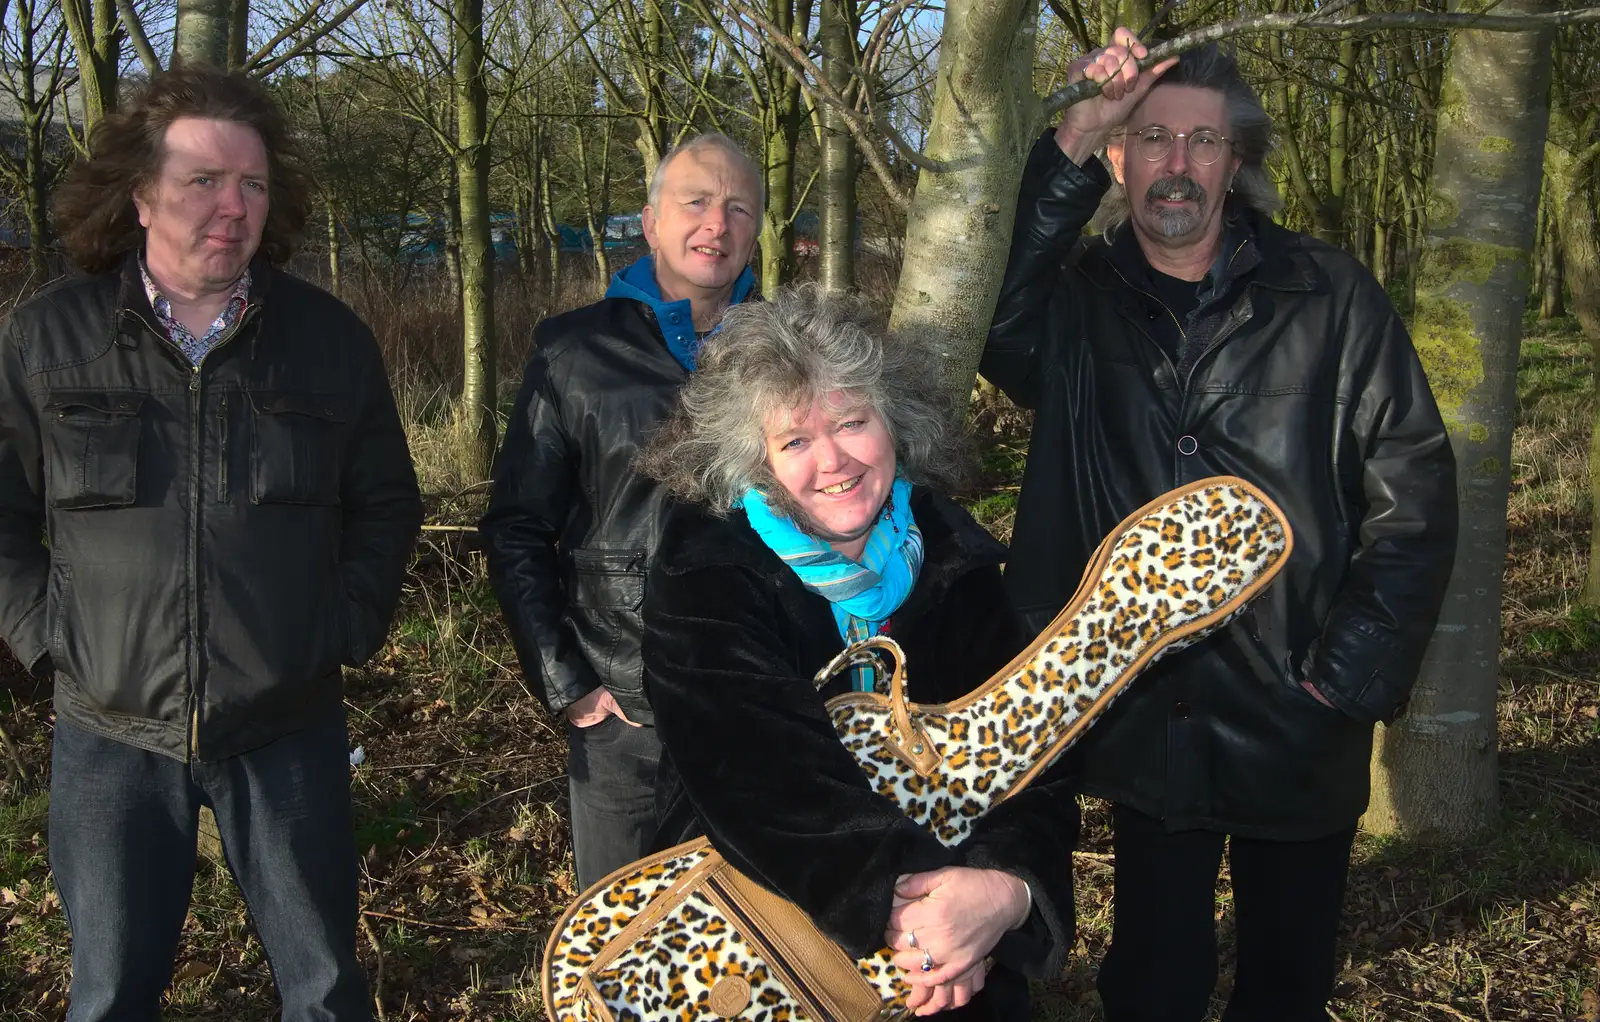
<point x="836" y="243"/>
<point x="478" y="391"/>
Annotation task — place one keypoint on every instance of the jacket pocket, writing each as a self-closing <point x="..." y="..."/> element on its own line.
<point x="604" y="598"/>
<point x="295" y="449"/>
<point x="92" y="449"/>
<point x="608" y="579"/>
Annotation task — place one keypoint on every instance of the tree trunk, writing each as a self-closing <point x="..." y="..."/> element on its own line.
<point x="1333" y="222"/>
<point x="1552" y="282"/>
<point x="781" y="131"/>
<point x="1380" y="208"/>
<point x="652" y="140"/>
<point x="594" y="214"/>
<point x="1580" y="235"/>
<point x="35" y="115"/>
<point x="958" y="231"/>
<point x="552" y="233"/>
<point x="1434" y="769"/>
<point x="1572" y="194"/>
<point x="202" y="29"/>
<point x="238" y="34"/>
<point x="97" y="43"/>
<point x="478" y="387"/>
<point x="836" y="241"/>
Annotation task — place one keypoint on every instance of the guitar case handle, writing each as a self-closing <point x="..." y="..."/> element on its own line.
<point x="907" y="741"/>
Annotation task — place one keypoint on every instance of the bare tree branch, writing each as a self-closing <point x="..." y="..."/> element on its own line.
<point x="800" y="65"/>
<point x="1410" y="21"/>
<point x="141" y="42"/>
<point x="288" y="31"/>
<point x="310" y="41"/>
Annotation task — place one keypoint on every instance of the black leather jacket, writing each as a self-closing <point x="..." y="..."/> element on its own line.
<point x="1310" y="388"/>
<point x="220" y="538"/>
<point x="571" y="527"/>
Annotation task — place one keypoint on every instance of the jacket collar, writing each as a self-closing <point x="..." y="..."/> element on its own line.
<point x="133" y="312"/>
<point x="638" y="282"/>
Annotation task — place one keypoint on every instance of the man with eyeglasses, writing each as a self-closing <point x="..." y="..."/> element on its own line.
<point x="1195" y="337"/>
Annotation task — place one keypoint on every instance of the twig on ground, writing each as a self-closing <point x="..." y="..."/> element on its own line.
<point x="1418" y="911"/>
<point x="377" y="974"/>
<point x="449" y="926"/>
<point x="1439" y="1006"/>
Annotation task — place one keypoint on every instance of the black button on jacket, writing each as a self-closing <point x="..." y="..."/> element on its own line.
<point x="217" y="539"/>
<point x="1310" y="388"/>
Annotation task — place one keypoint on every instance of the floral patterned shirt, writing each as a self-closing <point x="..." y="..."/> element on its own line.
<point x="195" y="348"/>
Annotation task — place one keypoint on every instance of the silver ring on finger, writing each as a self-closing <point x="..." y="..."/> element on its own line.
<point x="911" y="940"/>
<point x="927" y="960"/>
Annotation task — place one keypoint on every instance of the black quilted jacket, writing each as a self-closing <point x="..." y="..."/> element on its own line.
<point x="218" y="538"/>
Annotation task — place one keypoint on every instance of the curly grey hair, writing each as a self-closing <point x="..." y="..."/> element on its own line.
<point x="771" y="357"/>
<point x="1249" y="134"/>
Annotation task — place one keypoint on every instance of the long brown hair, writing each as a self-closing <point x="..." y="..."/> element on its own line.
<point x="94" y="205"/>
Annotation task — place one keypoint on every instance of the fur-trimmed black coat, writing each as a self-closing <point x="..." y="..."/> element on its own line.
<point x="732" y="640"/>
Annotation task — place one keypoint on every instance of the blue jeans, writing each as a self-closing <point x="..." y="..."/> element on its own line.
<point x="123" y="831"/>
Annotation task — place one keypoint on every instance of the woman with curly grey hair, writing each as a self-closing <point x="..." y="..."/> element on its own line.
<point x="809" y="454"/>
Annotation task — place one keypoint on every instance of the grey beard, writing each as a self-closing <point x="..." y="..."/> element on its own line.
<point x="1176" y="223"/>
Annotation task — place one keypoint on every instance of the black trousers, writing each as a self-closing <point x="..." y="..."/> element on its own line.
<point x="611" y="779"/>
<point x="1287" y="898"/>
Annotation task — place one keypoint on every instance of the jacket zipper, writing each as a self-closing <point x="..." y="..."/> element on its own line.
<point x="196" y="434"/>
<point x="222" y="450"/>
<point x="751" y="932"/>
<point x="197" y="475"/>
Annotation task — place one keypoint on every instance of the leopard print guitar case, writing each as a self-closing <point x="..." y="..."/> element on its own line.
<point x="682" y="936"/>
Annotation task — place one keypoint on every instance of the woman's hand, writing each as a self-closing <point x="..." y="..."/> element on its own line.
<point x="930" y="1000"/>
<point x="957" y="914"/>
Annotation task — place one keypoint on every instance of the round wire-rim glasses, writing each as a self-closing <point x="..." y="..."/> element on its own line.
<point x="1155" y="142"/>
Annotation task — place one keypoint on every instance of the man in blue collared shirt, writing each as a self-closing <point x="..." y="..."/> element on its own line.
<point x="570" y="526"/>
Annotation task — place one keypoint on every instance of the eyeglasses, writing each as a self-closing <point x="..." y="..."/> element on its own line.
<point x="1155" y="142"/>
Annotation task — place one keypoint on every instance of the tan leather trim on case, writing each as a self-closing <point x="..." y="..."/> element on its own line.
<point x="819" y="974"/>
<point x="547" y="964"/>
<point x="664" y="902"/>
<point x="599" y="1010"/>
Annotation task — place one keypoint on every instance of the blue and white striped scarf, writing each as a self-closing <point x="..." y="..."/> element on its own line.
<point x="863" y="593"/>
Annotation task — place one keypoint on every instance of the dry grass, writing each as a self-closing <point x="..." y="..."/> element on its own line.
<point x="461" y="802"/>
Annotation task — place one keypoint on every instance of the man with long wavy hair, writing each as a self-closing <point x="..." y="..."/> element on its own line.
<point x="206" y="506"/>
